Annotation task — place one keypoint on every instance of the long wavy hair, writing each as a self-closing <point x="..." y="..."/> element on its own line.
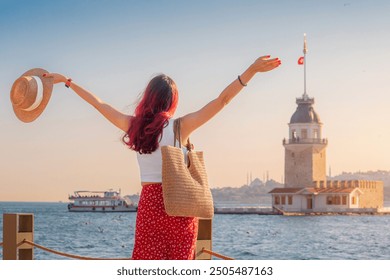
<point x="157" y="105"/>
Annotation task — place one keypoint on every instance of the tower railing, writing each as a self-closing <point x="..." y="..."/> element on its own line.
<point x="299" y="140"/>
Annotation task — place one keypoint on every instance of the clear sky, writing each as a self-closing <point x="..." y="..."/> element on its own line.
<point x="113" y="48"/>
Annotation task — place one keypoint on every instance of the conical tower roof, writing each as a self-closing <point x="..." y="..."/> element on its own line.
<point x="305" y="112"/>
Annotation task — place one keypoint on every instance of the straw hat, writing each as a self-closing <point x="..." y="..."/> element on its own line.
<point x="27" y="102"/>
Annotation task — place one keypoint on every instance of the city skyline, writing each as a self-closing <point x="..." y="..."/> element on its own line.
<point x="114" y="48"/>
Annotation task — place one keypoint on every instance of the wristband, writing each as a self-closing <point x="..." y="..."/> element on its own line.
<point x="67" y="84"/>
<point x="239" y="78"/>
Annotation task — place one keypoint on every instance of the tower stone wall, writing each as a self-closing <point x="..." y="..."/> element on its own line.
<point x="304" y="163"/>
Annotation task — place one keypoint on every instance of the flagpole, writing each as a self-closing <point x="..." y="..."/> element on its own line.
<point x="304" y="65"/>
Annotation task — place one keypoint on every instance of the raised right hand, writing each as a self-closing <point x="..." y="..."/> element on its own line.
<point x="265" y="64"/>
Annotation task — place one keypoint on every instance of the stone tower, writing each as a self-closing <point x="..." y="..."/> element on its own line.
<point x="305" y="149"/>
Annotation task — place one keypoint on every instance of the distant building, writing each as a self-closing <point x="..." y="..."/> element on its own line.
<point x="306" y="188"/>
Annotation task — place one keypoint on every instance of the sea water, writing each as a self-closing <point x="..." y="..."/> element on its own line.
<point x="245" y="237"/>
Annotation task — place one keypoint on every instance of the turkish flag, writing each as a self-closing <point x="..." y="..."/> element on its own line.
<point x="301" y="60"/>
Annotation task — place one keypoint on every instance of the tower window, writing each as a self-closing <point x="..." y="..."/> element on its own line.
<point x="304" y="133"/>
<point x="315" y="133"/>
<point x="294" y="134"/>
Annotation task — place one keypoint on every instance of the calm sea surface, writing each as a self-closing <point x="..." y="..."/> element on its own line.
<point x="111" y="235"/>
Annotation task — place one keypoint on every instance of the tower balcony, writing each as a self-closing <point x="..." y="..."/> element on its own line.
<point x="298" y="140"/>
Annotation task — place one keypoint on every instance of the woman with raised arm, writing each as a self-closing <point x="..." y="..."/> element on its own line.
<point x="157" y="235"/>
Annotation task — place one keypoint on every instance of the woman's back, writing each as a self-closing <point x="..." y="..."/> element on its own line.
<point x="150" y="165"/>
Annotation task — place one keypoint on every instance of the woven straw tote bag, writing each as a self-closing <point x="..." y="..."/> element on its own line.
<point x="186" y="190"/>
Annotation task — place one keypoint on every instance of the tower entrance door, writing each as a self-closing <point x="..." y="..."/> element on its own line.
<point x="309" y="203"/>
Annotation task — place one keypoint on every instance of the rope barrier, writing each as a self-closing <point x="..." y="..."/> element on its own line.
<point x="91" y="258"/>
<point x="216" y="254"/>
<point x="65" y="254"/>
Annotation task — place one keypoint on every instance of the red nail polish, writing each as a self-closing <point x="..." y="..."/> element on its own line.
<point x="44" y="75"/>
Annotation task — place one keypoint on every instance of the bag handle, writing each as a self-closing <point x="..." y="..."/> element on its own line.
<point x="177" y="135"/>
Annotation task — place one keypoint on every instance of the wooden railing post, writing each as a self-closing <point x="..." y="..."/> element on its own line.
<point x="16" y="228"/>
<point x="204" y="239"/>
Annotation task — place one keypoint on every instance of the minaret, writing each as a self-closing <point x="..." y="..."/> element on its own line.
<point x="305" y="149"/>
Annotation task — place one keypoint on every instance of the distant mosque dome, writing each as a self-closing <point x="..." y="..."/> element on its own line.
<point x="305" y="112"/>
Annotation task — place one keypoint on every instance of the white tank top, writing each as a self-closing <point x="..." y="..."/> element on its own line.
<point x="150" y="165"/>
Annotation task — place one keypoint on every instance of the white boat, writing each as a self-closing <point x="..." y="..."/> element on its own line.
<point x="100" y="201"/>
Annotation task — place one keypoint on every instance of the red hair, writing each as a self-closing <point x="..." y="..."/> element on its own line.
<point x="157" y="106"/>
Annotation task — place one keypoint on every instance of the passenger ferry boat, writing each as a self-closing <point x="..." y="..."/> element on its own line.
<point x="100" y="201"/>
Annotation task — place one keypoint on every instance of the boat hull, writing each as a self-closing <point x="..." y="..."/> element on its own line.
<point x="105" y="209"/>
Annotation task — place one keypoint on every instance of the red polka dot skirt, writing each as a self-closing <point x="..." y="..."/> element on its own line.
<point x="159" y="236"/>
